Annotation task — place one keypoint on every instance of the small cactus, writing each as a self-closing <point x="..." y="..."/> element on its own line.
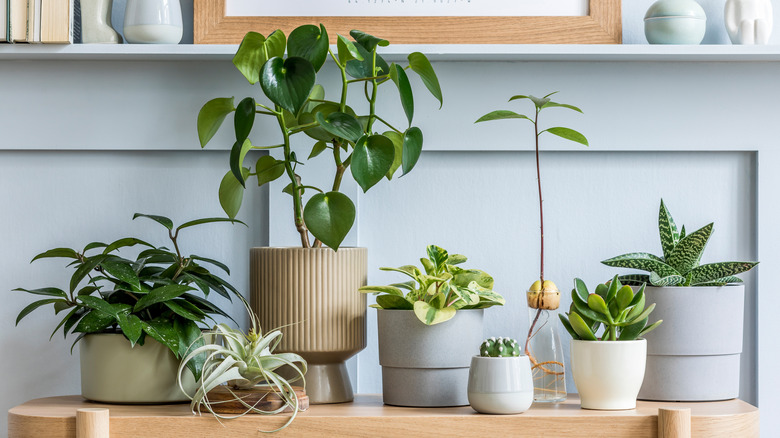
<point x="501" y="347"/>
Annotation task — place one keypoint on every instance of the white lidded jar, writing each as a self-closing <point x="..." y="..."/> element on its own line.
<point x="153" y="22"/>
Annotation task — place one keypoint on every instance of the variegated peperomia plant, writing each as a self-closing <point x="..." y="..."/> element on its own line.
<point x="680" y="264"/>
<point x="440" y="291"/>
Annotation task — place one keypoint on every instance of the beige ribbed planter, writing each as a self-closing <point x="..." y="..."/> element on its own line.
<point x="311" y="294"/>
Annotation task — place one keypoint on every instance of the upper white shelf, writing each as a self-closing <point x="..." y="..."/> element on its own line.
<point x="440" y="52"/>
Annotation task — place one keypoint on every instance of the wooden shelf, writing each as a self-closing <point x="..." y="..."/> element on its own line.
<point x="56" y="417"/>
<point x="440" y="52"/>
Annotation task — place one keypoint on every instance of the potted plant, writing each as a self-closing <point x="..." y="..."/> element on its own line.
<point x="542" y="344"/>
<point x="690" y="358"/>
<point x="135" y="318"/>
<point x="289" y="284"/>
<point x="500" y="379"/>
<point x="426" y="326"/>
<point x="608" y="370"/>
<point x="241" y="374"/>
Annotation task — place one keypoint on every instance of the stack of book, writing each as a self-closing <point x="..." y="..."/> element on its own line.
<point x="36" y="21"/>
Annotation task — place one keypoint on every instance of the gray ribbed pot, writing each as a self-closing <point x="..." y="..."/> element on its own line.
<point x="427" y="366"/>
<point x="694" y="355"/>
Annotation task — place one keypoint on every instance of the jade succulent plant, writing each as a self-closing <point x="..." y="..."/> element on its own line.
<point x="436" y="294"/>
<point x="614" y="306"/>
<point x="680" y="264"/>
<point x="501" y="347"/>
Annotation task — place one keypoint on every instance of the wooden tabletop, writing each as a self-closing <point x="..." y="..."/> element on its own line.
<point x="54" y="417"/>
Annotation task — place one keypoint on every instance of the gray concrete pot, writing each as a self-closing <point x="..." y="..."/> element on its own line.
<point x="427" y="365"/>
<point x="694" y="355"/>
<point x="114" y="372"/>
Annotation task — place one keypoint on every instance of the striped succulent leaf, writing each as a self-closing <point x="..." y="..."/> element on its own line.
<point x="682" y="232"/>
<point x="721" y="281"/>
<point x="643" y="261"/>
<point x="712" y="272"/>
<point x="667" y="230"/>
<point x="688" y="251"/>
<point x="634" y="279"/>
<point x="670" y="280"/>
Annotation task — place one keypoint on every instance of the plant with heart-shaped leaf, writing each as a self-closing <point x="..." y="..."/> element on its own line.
<point x="153" y="295"/>
<point x="615" y="306"/>
<point x="438" y="293"/>
<point x="287" y="69"/>
<point x="680" y="264"/>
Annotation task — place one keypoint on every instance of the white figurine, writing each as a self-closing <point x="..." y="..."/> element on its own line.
<point x="749" y="21"/>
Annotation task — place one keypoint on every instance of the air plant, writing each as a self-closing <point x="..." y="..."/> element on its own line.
<point x="245" y="361"/>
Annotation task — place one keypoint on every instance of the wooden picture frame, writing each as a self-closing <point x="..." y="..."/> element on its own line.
<point x="601" y="26"/>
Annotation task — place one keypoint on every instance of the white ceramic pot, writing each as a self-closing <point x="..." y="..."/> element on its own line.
<point x="427" y="366"/>
<point x="608" y="374"/>
<point x="695" y="354"/>
<point x="500" y="385"/>
<point x="114" y="372"/>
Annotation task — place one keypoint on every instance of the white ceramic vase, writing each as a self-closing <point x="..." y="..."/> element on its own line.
<point x="500" y="385"/>
<point x="153" y="22"/>
<point x="748" y="21"/>
<point x="608" y="374"/>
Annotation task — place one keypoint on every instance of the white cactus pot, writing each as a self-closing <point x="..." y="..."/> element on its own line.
<point x="500" y="385"/>
<point x="608" y="374"/>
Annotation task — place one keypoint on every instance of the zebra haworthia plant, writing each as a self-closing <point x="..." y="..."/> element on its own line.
<point x="613" y="305"/>
<point x="680" y="264"/>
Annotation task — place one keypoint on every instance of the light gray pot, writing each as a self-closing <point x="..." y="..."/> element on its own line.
<point x="694" y="355"/>
<point x="427" y="365"/>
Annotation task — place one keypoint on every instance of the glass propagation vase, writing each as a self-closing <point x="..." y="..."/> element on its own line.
<point x="543" y="348"/>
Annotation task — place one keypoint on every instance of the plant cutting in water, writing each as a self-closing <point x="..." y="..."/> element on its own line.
<point x="614" y="306"/>
<point x="543" y="294"/>
<point x="680" y="264"/>
<point x="244" y="361"/>
<point x="149" y="296"/>
<point x="436" y="295"/>
<point x="299" y="105"/>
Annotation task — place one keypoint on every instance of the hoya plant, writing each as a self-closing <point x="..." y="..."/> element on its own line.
<point x="356" y="138"/>
<point x="613" y="306"/>
<point x="157" y="294"/>
<point x="680" y="263"/>
<point x="438" y="291"/>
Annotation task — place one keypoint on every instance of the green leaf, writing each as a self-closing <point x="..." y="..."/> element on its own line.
<point x="94" y="245"/>
<point x="412" y="148"/>
<point x="667" y="230"/>
<point x="57" y="252"/>
<point x="310" y="43"/>
<point x="585" y="311"/>
<point x="231" y="193"/>
<point x="393" y="302"/>
<point x="255" y="50"/>
<point x="456" y="259"/>
<point x="371" y="160"/>
<point x="27" y="310"/>
<point x="645" y="313"/>
<point x="392" y="290"/>
<point x="244" y="119"/>
<point x="561" y="105"/>
<point x="637" y="305"/>
<point x="163" y="332"/>
<point x="162" y="220"/>
<point x="123" y="271"/>
<point x="465" y="277"/>
<point x="131" y="327"/>
<point x="687" y="253"/>
<point x="94" y="321"/>
<point x="340" y="125"/>
<point x="347" y="50"/>
<point x="317" y="149"/>
<point x="643" y="261"/>
<point x="580" y="327"/>
<point x="363" y="69"/>
<point x="368" y="42"/>
<point x="401" y="80"/>
<point x="211" y="116"/>
<point x="501" y="115"/>
<point x="597" y="304"/>
<point x="63" y="321"/>
<point x="177" y="308"/>
<point x="190" y="339"/>
<point x="207" y="220"/>
<point x="268" y="169"/>
<point x="216" y="263"/>
<point x="624" y="297"/>
<point x="631" y="332"/>
<point x="651" y="327"/>
<point x="85" y="269"/>
<point x="160" y="294"/>
<point x="568" y="134"/>
<point x="419" y="64"/>
<point x="669" y="280"/>
<point x="581" y="289"/>
<point x="288" y="82"/>
<point x="123" y="243"/>
<point x="430" y="315"/>
<point x="713" y="271"/>
<point x="46" y="291"/>
<point x="634" y="279"/>
<point x="568" y="327"/>
<point x="329" y="217"/>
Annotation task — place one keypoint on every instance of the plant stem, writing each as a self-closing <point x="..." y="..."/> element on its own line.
<point x="541" y="209"/>
<point x="372" y="101"/>
<point x="300" y="225"/>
